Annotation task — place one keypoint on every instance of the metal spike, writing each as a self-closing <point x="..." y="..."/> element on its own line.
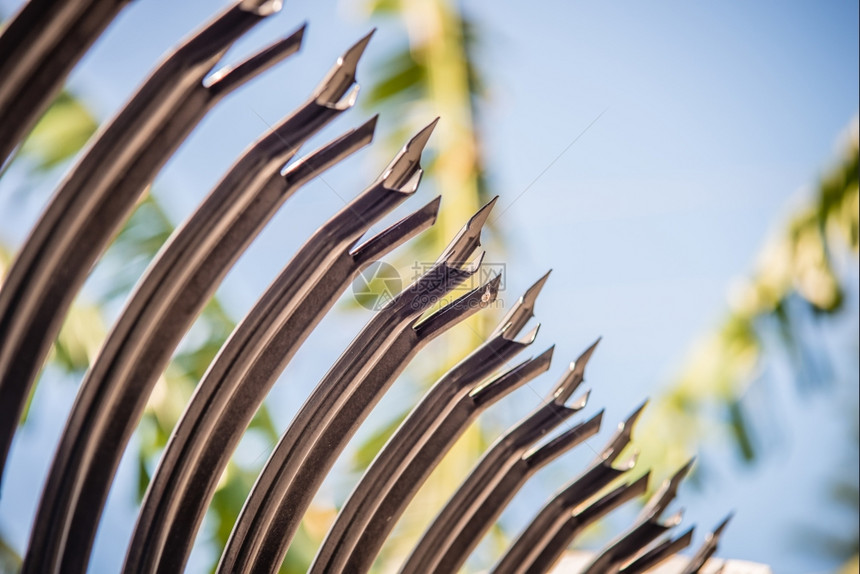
<point x="231" y="77"/>
<point x="548" y="551"/>
<point x="497" y="387"/>
<point x="504" y="486"/>
<point x="40" y="45"/>
<point x="469" y="237"/>
<point x="708" y="549"/>
<point x="172" y="292"/>
<point x="458" y="310"/>
<point x="99" y="193"/>
<point x="667" y="491"/>
<point x="345" y="419"/>
<point x="645" y="530"/>
<point x="505" y="452"/>
<point x="271" y="513"/>
<point x="240" y="377"/>
<point x="522" y="310"/>
<point x="383" y="242"/>
<point x="342" y="76"/>
<point x="406" y="163"/>
<point x="574" y="376"/>
<point x="438" y="435"/>
<point x="403" y="447"/>
<point x="622" y="436"/>
<point x="554" y="515"/>
<point x="659" y="553"/>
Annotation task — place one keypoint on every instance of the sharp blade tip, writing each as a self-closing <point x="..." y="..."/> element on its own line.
<point x="477" y="221"/>
<point x="634" y="416"/>
<point x="531" y="294"/>
<point x="299" y="34"/>
<point x="722" y="525"/>
<point x="415" y="146"/>
<point x="546" y="357"/>
<point x="368" y="128"/>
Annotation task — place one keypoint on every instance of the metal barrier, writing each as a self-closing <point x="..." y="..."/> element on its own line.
<point x="39" y="48"/>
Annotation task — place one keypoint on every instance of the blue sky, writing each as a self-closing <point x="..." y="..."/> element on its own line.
<point x="708" y="121"/>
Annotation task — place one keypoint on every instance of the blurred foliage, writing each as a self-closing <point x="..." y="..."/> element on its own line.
<point x="61" y="132"/>
<point x="800" y="277"/>
<point x="10" y="561"/>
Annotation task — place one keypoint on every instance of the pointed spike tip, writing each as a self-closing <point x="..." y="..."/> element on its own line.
<point x="299" y="34"/>
<point x="718" y="531"/>
<point x="633" y="418"/>
<point x="545" y="357"/>
<point x="580" y="363"/>
<point x="433" y="207"/>
<point x="368" y="128"/>
<point x="531" y="294"/>
<point x="477" y="221"/>
<point x="596" y="420"/>
<point x="468" y="238"/>
<point x="419" y="140"/>
<point x="350" y="58"/>
<point x="684" y="470"/>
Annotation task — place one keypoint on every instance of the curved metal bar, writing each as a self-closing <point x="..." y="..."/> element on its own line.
<point x="168" y="298"/>
<point x="703" y="554"/>
<point x="659" y="553"/>
<point x="260" y="347"/>
<point x="647" y="528"/>
<point x="505" y="488"/>
<point x="503" y="454"/>
<point x="101" y="191"/>
<point x="414" y="432"/>
<point x="263" y="517"/>
<point x="451" y="427"/>
<point x="39" y="46"/>
<point x="553" y="549"/>
<point x="530" y="543"/>
<point x="297" y="496"/>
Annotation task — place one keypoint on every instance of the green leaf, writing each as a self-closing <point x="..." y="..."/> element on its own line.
<point x="60" y="133"/>
<point x="365" y="453"/>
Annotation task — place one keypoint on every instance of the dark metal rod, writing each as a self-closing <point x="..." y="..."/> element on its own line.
<point x="101" y="191"/>
<point x="172" y="292"/>
<point x="260" y="347"/>
<point x="298" y="496"/>
<point x="659" y="553"/>
<point x="530" y="543"/>
<point x="647" y="528"/>
<point x="495" y="462"/>
<point x="505" y="488"/>
<point x="39" y="46"/>
<point x="703" y="554"/>
<point x="450" y="428"/>
<point x="553" y="549"/>
<point x="263" y="509"/>
<point x="406" y="443"/>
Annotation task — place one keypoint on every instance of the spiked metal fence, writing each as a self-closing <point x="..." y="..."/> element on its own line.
<point x="38" y="48"/>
